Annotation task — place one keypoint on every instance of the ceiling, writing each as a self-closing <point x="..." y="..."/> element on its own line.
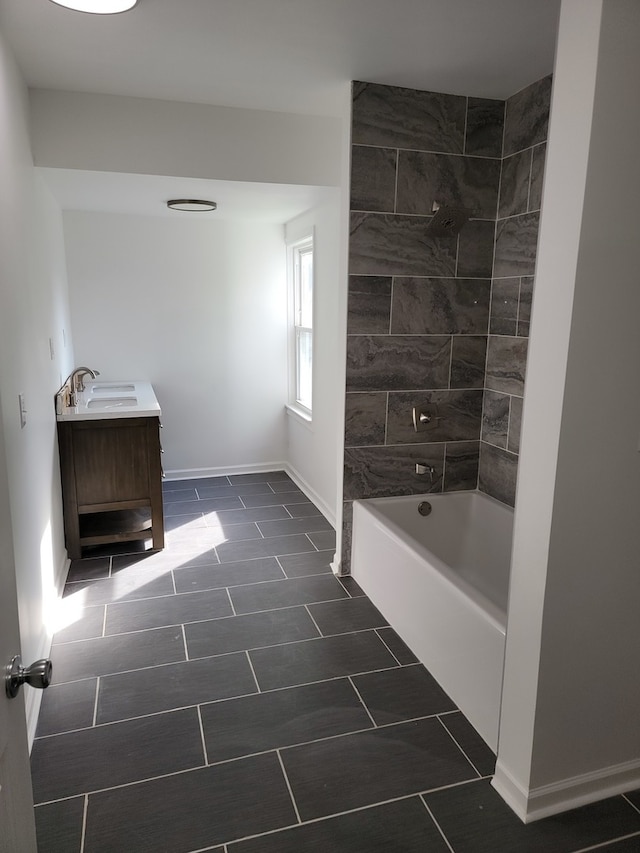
<point x="283" y="55"/>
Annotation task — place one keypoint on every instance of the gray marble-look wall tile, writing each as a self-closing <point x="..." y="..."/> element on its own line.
<point x="524" y="309"/>
<point x="373" y="178"/>
<point x="365" y="416"/>
<point x="461" y="466"/>
<point x="497" y="473"/>
<point x="347" y="536"/>
<point x="369" y="307"/>
<point x="527" y="116"/>
<point x="375" y="472"/>
<point x="495" y="418"/>
<point x="456" y="416"/>
<point x="440" y="306"/>
<point x="468" y="357"/>
<point x="485" y="126"/>
<point x="516" y="245"/>
<point x="397" y="362"/>
<point x="386" y="244"/>
<point x="506" y="364"/>
<point x="537" y="176"/>
<point x="504" y="306"/>
<point x="475" y="249"/>
<point x="407" y="118"/>
<point x="515" y="422"/>
<point x="514" y="184"/>
<point x="470" y="182"/>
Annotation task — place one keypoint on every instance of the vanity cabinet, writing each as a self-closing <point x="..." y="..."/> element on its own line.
<point x="111" y="481"/>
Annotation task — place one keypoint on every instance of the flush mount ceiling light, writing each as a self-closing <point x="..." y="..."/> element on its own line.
<point x="97" y="7"/>
<point x="191" y="204"/>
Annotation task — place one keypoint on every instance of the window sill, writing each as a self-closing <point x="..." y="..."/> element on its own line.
<point x="299" y="415"/>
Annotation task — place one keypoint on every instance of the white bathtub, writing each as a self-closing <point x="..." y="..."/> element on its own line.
<point x="442" y="583"/>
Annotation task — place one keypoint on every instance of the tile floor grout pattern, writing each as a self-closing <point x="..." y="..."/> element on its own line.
<point x="230" y="694"/>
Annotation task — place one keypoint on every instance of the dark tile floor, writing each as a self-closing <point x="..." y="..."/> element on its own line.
<point x="230" y="694"/>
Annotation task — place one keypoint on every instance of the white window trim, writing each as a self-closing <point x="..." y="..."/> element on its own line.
<point x="293" y="405"/>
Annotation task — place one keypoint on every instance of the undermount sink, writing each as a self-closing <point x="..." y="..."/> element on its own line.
<point x="111" y="402"/>
<point x="111" y="388"/>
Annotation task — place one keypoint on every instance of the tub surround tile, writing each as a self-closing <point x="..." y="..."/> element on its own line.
<point x="64" y="765"/>
<point x="389" y="244"/>
<point x="462" y="459"/>
<point x="59" y="826"/>
<point x="506" y="364"/>
<point x="407" y="118"/>
<point x="515" y="422"/>
<point x="238" y="633"/>
<point x="428" y="306"/>
<point x="524" y="310"/>
<point x="514" y="184"/>
<point x="468" y="358"/>
<point x="495" y="418"/>
<point x="280" y="718"/>
<point x="516" y="244"/>
<point x="318" y="660"/>
<point x="527" y="117"/>
<point x="475" y="249"/>
<point x="286" y="593"/>
<point x="369" y="305"/>
<point x="476" y="819"/>
<point x="505" y="295"/>
<point x="209" y="806"/>
<point x="456" y="416"/>
<point x="179" y="685"/>
<point x="67" y="706"/>
<point x="345" y="773"/>
<point x="365" y="417"/>
<point x="404" y="693"/>
<point x="404" y="826"/>
<point x="498" y="473"/>
<point x="470" y="742"/>
<point x="485" y="127"/>
<point x="470" y="182"/>
<point x="377" y="472"/>
<point x="373" y="178"/>
<point x="351" y="614"/>
<point x="537" y="176"/>
<point x="390" y="362"/>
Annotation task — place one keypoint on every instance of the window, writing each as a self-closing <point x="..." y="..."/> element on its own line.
<point x="301" y="332"/>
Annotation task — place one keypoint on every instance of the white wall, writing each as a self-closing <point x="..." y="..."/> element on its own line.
<point x="33" y="308"/>
<point x="199" y="309"/>
<point x="571" y="701"/>
<point x="80" y="131"/>
<point x="312" y="447"/>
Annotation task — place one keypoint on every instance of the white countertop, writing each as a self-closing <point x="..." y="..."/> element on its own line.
<point x="128" y="398"/>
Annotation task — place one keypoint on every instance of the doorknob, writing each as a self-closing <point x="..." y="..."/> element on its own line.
<point x="37" y="675"/>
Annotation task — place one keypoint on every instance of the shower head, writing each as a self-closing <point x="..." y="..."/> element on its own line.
<point x="447" y="221"/>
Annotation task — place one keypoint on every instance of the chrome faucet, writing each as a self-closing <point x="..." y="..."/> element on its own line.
<point x="76" y="382"/>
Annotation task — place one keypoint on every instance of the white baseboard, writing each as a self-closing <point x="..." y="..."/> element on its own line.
<point x="324" y="508"/>
<point x="536" y="803"/>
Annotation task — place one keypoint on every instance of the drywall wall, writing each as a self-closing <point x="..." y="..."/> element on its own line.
<point x="199" y="309"/>
<point x="85" y="131"/>
<point x="312" y="447"/>
<point x="571" y="699"/>
<point x="34" y="308"/>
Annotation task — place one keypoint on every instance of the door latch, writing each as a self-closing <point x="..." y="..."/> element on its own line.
<point x="37" y="675"/>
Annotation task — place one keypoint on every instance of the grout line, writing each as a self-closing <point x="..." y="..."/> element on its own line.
<point x="306" y="607"/>
<point x="440" y="830"/>
<point x="395" y="188"/>
<point x="470" y="762"/>
<point x="286" y="779"/>
<point x="85" y="808"/>
<point x="389" y="649"/>
<point x="529" y="182"/>
<point x="186" y="650"/>
<point x="104" y="624"/>
<point x="110" y="575"/>
<point x="633" y="805"/>
<point x="94" y="720"/>
<point x="202" y="738"/>
<point x="310" y="540"/>
<point x="255" y="678"/>
<point x="233" y="610"/>
<point x="608" y="842"/>
<point x="350" y="680"/>
<point x="464" y="133"/>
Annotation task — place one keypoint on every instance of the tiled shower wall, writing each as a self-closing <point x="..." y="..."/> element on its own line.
<point x="420" y="306"/>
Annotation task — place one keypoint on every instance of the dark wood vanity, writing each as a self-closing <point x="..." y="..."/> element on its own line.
<point x="111" y="481"/>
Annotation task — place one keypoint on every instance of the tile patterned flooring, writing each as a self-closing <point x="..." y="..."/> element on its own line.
<point x="230" y="694"/>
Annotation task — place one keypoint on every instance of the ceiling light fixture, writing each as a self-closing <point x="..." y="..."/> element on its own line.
<point x="97" y="7"/>
<point x="191" y="204"/>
